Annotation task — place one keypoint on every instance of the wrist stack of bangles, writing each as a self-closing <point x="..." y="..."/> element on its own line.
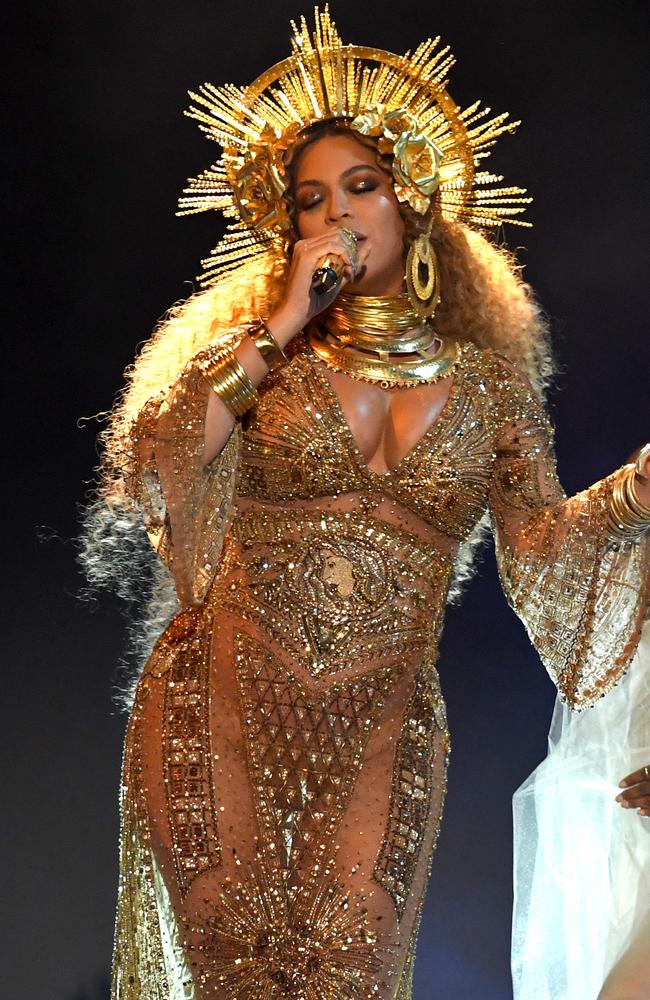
<point x="229" y="379"/>
<point x="628" y="517"/>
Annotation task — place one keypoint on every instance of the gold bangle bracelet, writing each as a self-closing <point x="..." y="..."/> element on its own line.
<point x="628" y="517"/>
<point x="620" y="521"/>
<point x="633" y="498"/>
<point x="623" y="506"/>
<point x="229" y="379"/>
<point x="272" y="354"/>
<point x="638" y="511"/>
<point x="641" y="459"/>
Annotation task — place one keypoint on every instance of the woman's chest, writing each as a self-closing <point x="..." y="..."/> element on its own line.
<point x="387" y="424"/>
<point x="430" y="448"/>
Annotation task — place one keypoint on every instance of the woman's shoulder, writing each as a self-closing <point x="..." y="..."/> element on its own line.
<point x="493" y="365"/>
<point x="508" y="389"/>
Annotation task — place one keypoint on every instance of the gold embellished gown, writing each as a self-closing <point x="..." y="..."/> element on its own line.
<point x="285" y="758"/>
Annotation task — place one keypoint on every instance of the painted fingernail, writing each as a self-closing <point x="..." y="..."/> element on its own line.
<point x="619" y="798"/>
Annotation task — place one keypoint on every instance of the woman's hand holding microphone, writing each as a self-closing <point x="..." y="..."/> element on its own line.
<point x="334" y="256"/>
<point x="337" y="252"/>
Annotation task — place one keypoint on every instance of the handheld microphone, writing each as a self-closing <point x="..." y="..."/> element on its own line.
<point x="328" y="274"/>
<point x="331" y="268"/>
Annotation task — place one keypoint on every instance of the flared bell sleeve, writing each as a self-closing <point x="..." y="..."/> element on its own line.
<point x="185" y="504"/>
<point x="581" y="593"/>
<point x="581" y="916"/>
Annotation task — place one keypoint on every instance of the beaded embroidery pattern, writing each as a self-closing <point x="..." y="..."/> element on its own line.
<point x="187" y="751"/>
<point x="336" y="602"/>
<point x="262" y="939"/>
<point x="305" y="749"/>
<point x="331" y="588"/>
<point x="413" y="786"/>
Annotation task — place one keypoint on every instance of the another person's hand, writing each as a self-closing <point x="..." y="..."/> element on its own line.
<point x="637" y="791"/>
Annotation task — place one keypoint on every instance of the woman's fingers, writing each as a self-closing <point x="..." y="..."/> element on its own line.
<point x="334" y="241"/>
<point x="643" y="774"/>
<point x="299" y="301"/>
<point x="641" y="805"/>
<point x="631" y="798"/>
<point x="353" y="257"/>
<point x="637" y="791"/>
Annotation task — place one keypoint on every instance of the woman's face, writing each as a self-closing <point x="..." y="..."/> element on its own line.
<point x="339" y="184"/>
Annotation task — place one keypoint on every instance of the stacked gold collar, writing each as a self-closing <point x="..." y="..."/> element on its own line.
<point x="381" y="339"/>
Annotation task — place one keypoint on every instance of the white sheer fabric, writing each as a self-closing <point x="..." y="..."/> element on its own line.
<point x="581" y="862"/>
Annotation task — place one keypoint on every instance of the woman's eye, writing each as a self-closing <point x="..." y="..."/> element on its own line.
<point x="360" y="187"/>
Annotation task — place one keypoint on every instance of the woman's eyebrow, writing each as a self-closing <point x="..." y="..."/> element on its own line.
<point x="346" y="173"/>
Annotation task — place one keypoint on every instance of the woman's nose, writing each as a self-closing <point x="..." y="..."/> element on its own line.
<point x="337" y="207"/>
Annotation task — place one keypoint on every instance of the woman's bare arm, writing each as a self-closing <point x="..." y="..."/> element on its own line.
<point x="219" y="421"/>
<point x="298" y="307"/>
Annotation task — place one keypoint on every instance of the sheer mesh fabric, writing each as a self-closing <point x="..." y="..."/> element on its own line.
<point x="286" y="759"/>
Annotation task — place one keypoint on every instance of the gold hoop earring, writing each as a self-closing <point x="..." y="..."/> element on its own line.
<point x="423" y="276"/>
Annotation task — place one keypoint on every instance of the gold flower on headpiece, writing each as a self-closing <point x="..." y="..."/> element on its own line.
<point x="259" y="185"/>
<point x="416" y="158"/>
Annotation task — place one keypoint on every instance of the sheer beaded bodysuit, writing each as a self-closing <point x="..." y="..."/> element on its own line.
<point x="285" y="760"/>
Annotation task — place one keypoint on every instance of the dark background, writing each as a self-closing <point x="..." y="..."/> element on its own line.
<point x="99" y="151"/>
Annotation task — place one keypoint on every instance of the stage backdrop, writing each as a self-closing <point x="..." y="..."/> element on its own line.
<point x="100" y="151"/>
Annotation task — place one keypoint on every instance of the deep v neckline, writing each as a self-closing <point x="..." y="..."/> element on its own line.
<point x="432" y="430"/>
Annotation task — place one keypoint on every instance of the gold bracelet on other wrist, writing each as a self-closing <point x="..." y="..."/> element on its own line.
<point x="628" y="517"/>
<point x="641" y="460"/>
<point x="229" y="379"/>
<point x="272" y="354"/>
<point x="639" y="508"/>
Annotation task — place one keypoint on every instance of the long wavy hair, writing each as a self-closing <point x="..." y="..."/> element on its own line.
<point x="485" y="300"/>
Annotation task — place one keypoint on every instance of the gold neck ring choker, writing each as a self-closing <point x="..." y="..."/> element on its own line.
<point x="381" y="339"/>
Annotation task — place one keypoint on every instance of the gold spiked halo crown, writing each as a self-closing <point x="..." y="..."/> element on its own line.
<point x="402" y="100"/>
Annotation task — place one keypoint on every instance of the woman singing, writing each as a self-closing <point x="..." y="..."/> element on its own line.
<point x="315" y="441"/>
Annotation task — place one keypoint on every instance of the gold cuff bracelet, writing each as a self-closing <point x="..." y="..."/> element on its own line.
<point x="272" y="354"/>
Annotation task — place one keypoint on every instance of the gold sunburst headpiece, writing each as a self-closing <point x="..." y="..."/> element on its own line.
<point x="402" y="100"/>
